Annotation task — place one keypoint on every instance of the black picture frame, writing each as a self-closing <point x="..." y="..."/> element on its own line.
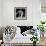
<point x="20" y="13"/>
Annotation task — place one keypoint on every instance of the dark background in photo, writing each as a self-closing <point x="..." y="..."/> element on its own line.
<point x="18" y="13"/>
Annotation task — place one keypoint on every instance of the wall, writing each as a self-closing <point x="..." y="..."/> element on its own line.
<point x="36" y="7"/>
<point x="0" y="12"/>
<point x="33" y="12"/>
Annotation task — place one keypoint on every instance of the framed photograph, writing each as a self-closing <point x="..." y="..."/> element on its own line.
<point x="20" y="13"/>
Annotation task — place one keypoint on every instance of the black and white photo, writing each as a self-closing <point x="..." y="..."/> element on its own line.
<point x="20" y="13"/>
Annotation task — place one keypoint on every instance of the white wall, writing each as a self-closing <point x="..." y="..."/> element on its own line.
<point x="1" y="12"/>
<point x="36" y="7"/>
<point x="33" y="12"/>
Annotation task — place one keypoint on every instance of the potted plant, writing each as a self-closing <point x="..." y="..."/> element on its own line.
<point x="41" y="27"/>
<point x="34" y="39"/>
